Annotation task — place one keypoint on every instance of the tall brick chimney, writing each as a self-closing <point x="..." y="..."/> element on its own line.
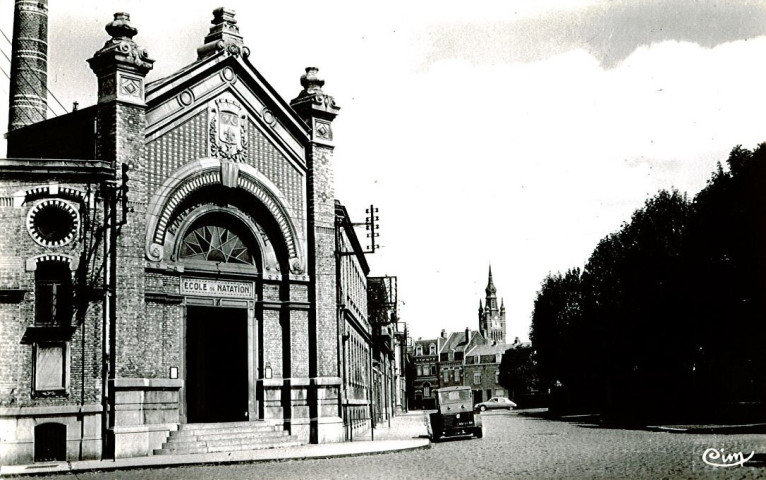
<point x="28" y="98"/>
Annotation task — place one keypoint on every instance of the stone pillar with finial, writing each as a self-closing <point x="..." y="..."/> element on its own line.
<point x="319" y="110"/>
<point x="121" y="67"/>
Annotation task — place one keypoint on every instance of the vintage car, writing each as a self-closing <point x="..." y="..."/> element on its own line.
<point x="454" y="414"/>
<point x="495" y="403"/>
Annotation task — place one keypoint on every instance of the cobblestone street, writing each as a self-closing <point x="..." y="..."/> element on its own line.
<point x="514" y="446"/>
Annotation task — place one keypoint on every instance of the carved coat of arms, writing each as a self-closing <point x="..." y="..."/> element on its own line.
<point x="228" y="131"/>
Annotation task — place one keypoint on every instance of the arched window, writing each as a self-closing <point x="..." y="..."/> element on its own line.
<point x="219" y="238"/>
<point x="215" y="243"/>
<point x="432" y="349"/>
<point x="419" y="350"/>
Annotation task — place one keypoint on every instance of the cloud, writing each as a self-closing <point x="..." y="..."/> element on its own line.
<point x="610" y="31"/>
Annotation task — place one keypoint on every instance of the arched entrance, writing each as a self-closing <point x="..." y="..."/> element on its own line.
<point x="237" y="248"/>
<point x="222" y="257"/>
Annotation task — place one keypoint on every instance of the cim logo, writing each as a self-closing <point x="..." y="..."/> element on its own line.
<point x="718" y="458"/>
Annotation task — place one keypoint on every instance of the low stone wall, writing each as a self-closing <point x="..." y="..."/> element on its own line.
<point x="146" y="411"/>
<point x="17" y="431"/>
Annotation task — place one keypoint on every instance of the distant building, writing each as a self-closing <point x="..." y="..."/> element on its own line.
<point x="387" y="361"/>
<point x="452" y="356"/>
<point x="492" y="318"/>
<point x="425" y="360"/>
<point x="482" y="370"/>
<point x="470" y="357"/>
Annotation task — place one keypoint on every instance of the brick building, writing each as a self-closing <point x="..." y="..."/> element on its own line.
<point x="452" y="353"/>
<point x="356" y="331"/>
<point x="387" y="361"/>
<point x="169" y="254"/>
<point x="425" y="360"/>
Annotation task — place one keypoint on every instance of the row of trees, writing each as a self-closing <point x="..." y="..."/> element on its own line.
<point x="667" y="319"/>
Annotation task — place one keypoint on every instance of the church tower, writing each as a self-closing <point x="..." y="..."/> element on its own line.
<point x="492" y="318"/>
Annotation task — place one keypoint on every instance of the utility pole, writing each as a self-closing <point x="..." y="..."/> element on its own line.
<point x="371" y="225"/>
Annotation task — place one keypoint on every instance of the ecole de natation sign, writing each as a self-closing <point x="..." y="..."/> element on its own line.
<point x="216" y="288"/>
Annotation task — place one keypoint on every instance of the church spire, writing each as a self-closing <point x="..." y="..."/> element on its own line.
<point x="491" y="301"/>
<point x="491" y="290"/>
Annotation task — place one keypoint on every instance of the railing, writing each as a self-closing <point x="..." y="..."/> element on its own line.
<point x="356" y="420"/>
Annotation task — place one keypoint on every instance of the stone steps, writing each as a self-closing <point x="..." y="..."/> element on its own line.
<point x="225" y="437"/>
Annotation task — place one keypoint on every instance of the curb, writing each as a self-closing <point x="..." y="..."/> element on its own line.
<point x="255" y="456"/>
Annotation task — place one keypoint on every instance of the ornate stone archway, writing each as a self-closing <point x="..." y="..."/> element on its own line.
<point x="163" y="220"/>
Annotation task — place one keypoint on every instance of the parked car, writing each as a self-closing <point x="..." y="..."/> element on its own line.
<point x="494" y="403"/>
<point x="454" y="415"/>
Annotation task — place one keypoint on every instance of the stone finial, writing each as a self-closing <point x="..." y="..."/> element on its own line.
<point x="120" y="27"/>
<point x="120" y="51"/>
<point x="312" y="101"/>
<point x="223" y="36"/>
<point x="311" y="82"/>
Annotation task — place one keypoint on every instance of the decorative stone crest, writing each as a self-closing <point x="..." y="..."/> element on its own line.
<point x="228" y="131"/>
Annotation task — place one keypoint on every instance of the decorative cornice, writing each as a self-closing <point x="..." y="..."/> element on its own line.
<point x="95" y="169"/>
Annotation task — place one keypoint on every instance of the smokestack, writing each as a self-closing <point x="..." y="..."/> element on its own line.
<point x="29" y="64"/>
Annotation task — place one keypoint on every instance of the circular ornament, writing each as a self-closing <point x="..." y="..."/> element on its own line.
<point x="53" y="223"/>
<point x="228" y="74"/>
<point x="186" y="98"/>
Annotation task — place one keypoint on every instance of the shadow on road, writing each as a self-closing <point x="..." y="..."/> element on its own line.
<point x="595" y="420"/>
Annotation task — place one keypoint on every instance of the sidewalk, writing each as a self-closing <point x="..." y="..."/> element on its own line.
<point x="407" y="432"/>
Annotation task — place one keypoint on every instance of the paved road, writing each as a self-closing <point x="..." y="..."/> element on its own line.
<point x="514" y="446"/>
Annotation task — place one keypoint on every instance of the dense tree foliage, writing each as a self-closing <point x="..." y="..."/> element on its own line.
<point x="518" y="373"/>
<point x="668" y="317"/>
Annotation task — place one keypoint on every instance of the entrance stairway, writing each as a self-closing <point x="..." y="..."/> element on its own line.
<point x="225" y="437"/>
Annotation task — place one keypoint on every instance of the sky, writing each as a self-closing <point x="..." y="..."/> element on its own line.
<point x="511" y="134"/>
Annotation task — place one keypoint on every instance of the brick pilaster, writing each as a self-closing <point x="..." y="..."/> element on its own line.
<point x="318" y="110"/>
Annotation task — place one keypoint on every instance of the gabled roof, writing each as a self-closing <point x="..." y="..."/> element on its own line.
<point x="456" y="341"/>
<point x="490" y="349"/>
<point x="160" y="89"/>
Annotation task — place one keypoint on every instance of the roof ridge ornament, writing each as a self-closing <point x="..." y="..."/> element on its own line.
<point x="224" y="36"/>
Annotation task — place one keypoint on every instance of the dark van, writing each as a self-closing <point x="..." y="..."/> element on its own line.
<point x="454" y="414"/>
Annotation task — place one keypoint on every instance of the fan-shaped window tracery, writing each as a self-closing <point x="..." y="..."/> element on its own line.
<point x="215" y="243"/>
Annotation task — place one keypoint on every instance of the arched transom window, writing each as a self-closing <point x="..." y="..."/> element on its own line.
<point x="215" y="243"/>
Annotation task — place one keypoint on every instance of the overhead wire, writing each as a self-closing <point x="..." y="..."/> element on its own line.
<point x="38" y="78"/>
<point x="22" y="110"/>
